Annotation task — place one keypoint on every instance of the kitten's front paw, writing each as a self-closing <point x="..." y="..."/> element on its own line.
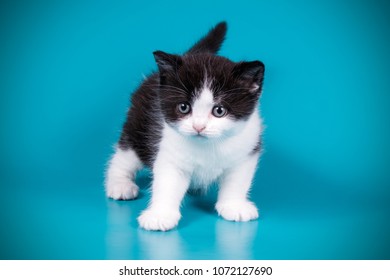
<point x="122" y="190"/>
<point x="237" y="210"/>
<point x="157" y="219"/>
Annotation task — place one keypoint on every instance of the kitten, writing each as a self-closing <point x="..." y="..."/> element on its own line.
<point x="194" y="122"/>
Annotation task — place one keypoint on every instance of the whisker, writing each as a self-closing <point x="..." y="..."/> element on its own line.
<point x="170" y="89"/>
<point x="236" y="89"/>
<point x="157" y="86"/>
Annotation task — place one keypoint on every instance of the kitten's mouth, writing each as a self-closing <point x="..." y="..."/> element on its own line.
<point x="201" y="136"/>
<point x="198" y="135"/>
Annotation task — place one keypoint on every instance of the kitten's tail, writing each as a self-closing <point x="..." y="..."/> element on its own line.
<point x="211" y="43"/>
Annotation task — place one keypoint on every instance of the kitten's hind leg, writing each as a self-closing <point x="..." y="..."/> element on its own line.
<point x="121" y="173"/>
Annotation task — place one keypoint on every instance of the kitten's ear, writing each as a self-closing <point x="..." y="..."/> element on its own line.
<point x="167" y="62"/>
<point x="251" y="72"/>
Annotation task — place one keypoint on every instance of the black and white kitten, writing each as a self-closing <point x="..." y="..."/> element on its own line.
<point x="194" y="122"/>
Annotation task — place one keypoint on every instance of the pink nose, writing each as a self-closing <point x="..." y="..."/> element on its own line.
<point x="198" y="127"/>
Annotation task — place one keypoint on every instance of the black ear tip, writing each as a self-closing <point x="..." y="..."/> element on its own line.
<point x="259" y="64"/>
<point x="166" y="61"/>
<point x="158" y="53"/>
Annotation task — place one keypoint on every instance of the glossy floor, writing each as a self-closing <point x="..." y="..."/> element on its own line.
<point x="323" y="185"/>
<point x="297" y="222"/>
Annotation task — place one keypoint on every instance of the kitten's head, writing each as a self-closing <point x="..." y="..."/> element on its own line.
<point x="205" y="96"/>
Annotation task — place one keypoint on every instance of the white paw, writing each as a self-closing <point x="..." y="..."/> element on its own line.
<point x="157" y="219"/>
<point x="237" y="210"/>
<point x="124" y="190"/>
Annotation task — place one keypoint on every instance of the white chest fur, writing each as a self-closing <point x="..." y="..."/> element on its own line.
<point x="205" y="160"/>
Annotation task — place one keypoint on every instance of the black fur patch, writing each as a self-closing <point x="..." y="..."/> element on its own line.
<point x="143" y="126"/>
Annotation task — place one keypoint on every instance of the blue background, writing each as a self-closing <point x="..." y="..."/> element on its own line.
<point x="67" y="69"/>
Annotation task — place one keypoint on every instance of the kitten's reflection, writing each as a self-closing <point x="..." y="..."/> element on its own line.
<point x="125" y="240"/>
<point x="235" y="240"/>
<point x="120" y="234"/>
<point x="160" y="245"/>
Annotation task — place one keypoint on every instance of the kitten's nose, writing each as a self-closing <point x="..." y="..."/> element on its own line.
<point x="198" y="127"/>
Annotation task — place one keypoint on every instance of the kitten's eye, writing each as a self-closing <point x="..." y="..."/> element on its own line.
<point x="219" y="111"/>
<point x="184" y="108"/>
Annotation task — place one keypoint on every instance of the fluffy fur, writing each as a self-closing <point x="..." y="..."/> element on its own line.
<point x="193" y="123"/>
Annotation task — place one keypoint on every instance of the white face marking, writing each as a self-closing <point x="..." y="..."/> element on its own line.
<point x="201" y="109"/>
<point x="202" y="124"/>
